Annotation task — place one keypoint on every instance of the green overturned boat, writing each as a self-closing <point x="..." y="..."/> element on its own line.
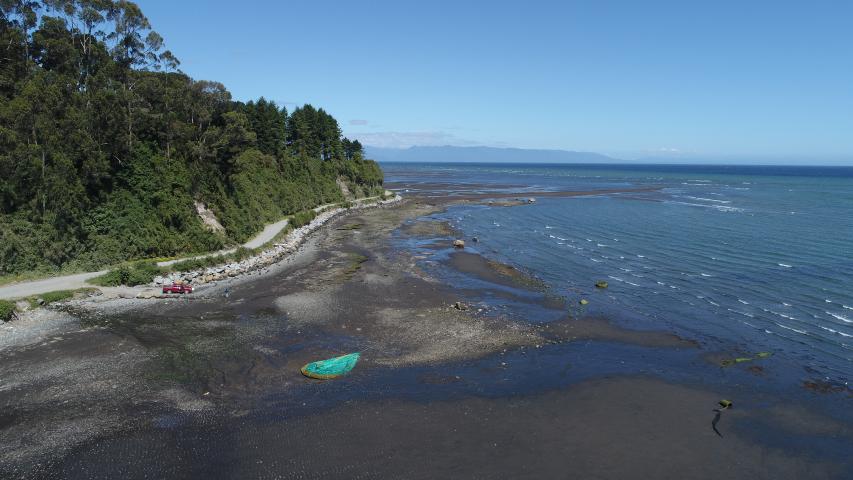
<point x="332" y="367"/>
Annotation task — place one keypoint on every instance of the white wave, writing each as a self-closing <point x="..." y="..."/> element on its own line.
<point x="786" y="304"/>
<point x="596" y="261"/>
<point x="705" y="275"/>
<point x="839" y="317"/>
<point x="848" y="308"/>
<point x="548" y="227"/>
<point x="707" y="199"/>
<point x="615" y="278"/>
<point x="784" y="265"/>
<point x="630" y="283"/>
<point x="714" y="303"/>
<point x="721" y="208"/>
<point x="743" y="301"/>
<point x="835" y="331"/>
<point x="551" y="236"/>
<point x="601" y="245"/>
<point x="745" y="314"/>
<point x="641" y="256"/>
<point x="793" y="329"/>
<point x="561" y="239"/>
<point x="726" y="209"/>
<point x="661" y="283"/>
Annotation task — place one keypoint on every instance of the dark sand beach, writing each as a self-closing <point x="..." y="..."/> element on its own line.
<point x="211" y="388"/>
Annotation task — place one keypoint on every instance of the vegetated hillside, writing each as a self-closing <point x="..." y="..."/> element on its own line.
<point x="105" y="146"/>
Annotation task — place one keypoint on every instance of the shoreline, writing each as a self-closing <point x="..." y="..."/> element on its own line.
<point x="78" y="280"/>
<point x="129" y="373"/>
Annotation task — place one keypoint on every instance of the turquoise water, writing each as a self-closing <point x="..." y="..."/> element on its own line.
<point x="751" y="258"/>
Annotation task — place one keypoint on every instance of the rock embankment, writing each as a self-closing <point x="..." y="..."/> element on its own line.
<point x="267" y="257"/>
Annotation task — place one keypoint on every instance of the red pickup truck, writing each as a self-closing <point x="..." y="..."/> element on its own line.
<point x="178" y="288"/>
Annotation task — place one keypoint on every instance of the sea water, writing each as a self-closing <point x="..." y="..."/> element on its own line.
<point x="752" y="258"/>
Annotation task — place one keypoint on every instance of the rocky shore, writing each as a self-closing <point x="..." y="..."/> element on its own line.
<point x="212" y="388"/>
<point x="269" y="256"/>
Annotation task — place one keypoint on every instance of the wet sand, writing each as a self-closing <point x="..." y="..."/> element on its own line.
<point x="211" y="387"/>
<point x="615" y="428"/>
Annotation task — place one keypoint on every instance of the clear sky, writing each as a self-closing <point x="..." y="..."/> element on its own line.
<point x="696" y="79"/>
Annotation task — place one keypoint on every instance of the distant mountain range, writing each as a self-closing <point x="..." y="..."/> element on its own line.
<point x="450" y="154"/>
<point x="483" y="154"/>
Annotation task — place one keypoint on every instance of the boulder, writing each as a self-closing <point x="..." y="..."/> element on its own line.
<point x="531" y="200"/>
<point x="459" y="243"/>
<point x="22" y="305"/>
<point x="475" y="239"/>
<point x="601" y="284"/>
<point x="460" y="306"/>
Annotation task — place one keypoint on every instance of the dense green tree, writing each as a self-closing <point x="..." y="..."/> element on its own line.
<point x="105" y="147"/>
<point x="270" y="123"/>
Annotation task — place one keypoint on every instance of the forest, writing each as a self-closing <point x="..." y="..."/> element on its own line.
<point x="106" y="146"/>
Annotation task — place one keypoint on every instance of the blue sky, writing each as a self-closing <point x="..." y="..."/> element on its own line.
<point x="717" y="79"/>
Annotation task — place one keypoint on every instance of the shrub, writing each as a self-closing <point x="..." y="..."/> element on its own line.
<point x="241" y="254"/>
<point x="132" y="274"/>
<point x="302" y="218"/>
<point x="7" y="309"/>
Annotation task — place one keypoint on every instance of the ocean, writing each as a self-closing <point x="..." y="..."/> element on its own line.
<point x="751" y="258"/>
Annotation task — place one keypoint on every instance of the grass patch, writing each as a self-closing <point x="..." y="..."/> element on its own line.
<point x="351" y="226"/>
<point x="57" y="296"/>
<point x="355" y="263"/>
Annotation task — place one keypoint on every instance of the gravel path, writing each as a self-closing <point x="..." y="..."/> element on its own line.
<point x="66" y="282"/>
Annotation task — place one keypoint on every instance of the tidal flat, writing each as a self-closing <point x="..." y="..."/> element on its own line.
<point x="470" y="368"/>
